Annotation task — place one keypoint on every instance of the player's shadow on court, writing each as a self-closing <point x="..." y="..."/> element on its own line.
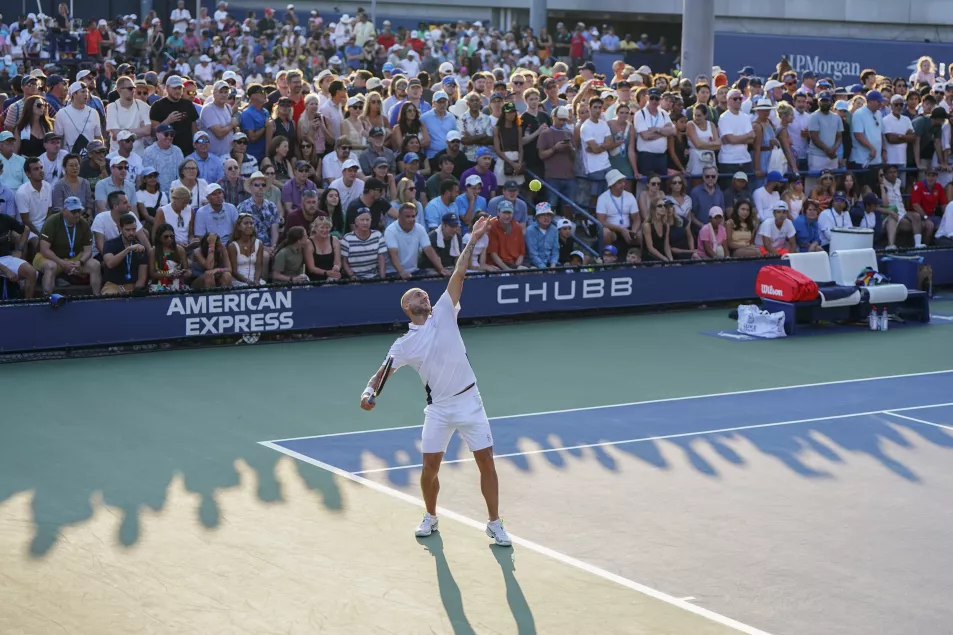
<point x="81" y="446"/>
<point x="450" y="595"/>
<point x="519" y="607"/>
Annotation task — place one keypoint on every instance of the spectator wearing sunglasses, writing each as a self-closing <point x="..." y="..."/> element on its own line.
<point x="247" y="163"/>
<point x="129" y="113"/>
<point x="866" y="126"/>
<point x="165" y="156"/>
<point x="117" y="182"/>
<point x="737" y="135"/>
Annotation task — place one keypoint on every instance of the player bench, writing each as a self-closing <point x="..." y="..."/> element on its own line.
<point x="839" y="299"/>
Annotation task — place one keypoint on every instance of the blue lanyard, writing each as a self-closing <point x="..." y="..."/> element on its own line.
<point x="71" y="238"/>
<point x="128" y="259"/>
<point x="619" y="205"/>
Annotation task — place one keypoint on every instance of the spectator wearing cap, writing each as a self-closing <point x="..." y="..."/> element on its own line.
<point x="178" y="113"/>
<point x="411" y="171"/>
<point x="445" y="241"/>
<point x="926" y="199"/>
<point x="737" y="134"/>
<point x="460" y="162"/>
<point x="95" y="167"/>
<point x="333" y="163"/>
<point x="653" y="127"/>
<point x="304" y="214"/>
<point x="415" y="93"/>
<point x="484" y="162"/>
<point x="129" y="114"/>
<point x="66" y="248"/>
<point x="30" y="86"/>
<point x="475" y="127"/>
<point x="253" y="120"/>
<point x="777" y="236"/>
<point x="264" y="213"/>
<point x="618" y="211"/>
<point x="55" y="93"/>
<point x="247" y="163"/>
<point x="372" y="197"/>
<point x="837" y="216"/>
<point x="558" y="154"/>
<point x="566" y="242"/>
<point x="88" y="78"/>
<point x="363" y="249"/>
<point x="377" y="150"/>
<point x="470" y="202"/>
<point x="826" y="131"/>
<point x="52" y="156"/>
<point x="713" y="237"/>
<point x="123" y="148"/>
<point x="871" y="214"/>
<point x="117" y="181"/>
<point x="868" y="147"/>
<point x="898" y="132"/>
<point x="293" y="188"/>
<point x="737" y="190"/>
<point x="216" y="216"/>
<point x="768" y="195"/>
<point x="77" y="123"/>
<point x="508" y="145"/>
<point x="218" y="120"/>
<point x="349" y="185"/>
<point x="542" y="239"/>
<point x="440" y="122"/>
<point x="211" y="166"/>
<point x="510" y="194"/>
<point x="507" y="246"/>
<point x="165" y="156"/>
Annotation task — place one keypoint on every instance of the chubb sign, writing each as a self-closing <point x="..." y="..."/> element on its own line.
<point x="242" y="312"/>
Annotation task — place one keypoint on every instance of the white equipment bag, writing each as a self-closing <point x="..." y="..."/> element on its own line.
<point x="753" y="321"/>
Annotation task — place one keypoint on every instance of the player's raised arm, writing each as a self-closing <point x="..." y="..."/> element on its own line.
<point x="375" y="381"/>
<point x="455" y="287"/>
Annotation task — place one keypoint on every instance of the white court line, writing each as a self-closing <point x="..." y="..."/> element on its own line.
<point x="639" y="403"/>
<point x="532" y="546"/>
<point x="673" y="436"/>
<point x="926" y="423"/>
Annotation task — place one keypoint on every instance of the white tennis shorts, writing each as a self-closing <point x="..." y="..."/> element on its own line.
<point x="464" y="413"/>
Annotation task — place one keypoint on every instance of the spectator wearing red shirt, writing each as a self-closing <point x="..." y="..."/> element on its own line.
<point x="415" y="42"/>
<point x="386" y="38"/>
<point x="507" y="247"/>
<point x="93" y="39"/>
<point x="577" y="47"/>
<point x="926" y="200"/>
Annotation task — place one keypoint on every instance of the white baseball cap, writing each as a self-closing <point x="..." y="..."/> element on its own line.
<point x="561" y="112"/>
<point x="454" y="135"/>
<point x="212" y="188"/>
<point x="474" y="179"/>
<point x="351" y="163"/>
<point x="116" y="160"/>
<point x="126" y="134"/>
<point x="446" y="68"/>
<point x="771" y="84"/>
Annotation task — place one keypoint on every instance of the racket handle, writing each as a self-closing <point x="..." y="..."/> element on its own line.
<point x="372" y="399"/>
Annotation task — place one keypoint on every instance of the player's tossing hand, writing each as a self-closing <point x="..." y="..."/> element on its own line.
<point x="479" y="229"/>
<point x="366" y="403"/>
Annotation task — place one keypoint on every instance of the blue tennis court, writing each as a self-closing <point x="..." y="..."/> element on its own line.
<point x="780" y="508"/>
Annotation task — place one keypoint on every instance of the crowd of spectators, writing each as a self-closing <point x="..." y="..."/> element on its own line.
<point x="237" y="150"/>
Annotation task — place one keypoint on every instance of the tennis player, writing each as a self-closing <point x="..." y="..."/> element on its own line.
<point x="434" y="348"/>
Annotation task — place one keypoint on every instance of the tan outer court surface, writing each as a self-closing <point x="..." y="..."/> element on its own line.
<point x="135" y="497"/>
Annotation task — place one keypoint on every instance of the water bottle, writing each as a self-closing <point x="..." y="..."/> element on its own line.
<point x="884" y="320"/>
<point x="872" y="319"/>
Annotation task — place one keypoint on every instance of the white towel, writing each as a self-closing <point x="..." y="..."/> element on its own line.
<point x="454" y="244"/>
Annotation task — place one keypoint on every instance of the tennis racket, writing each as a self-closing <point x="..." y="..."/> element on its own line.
<point x="385" y="373"/>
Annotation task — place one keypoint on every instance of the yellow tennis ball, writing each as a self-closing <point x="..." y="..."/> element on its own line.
<point x="535" y="185"/>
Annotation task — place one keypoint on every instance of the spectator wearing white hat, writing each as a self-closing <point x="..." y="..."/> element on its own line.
<point x="216" y="216"/>
<point x="349" y="184"/>
<point x="542" y="239"/>
<point x="204" y="70"/>
<point x="470" y="202"/>
<point x="618" y="211"/>
<point x="211" y="166"/>
<point x="218" y="120"/>
<point x="440" y="122"/>
<point x="118" y="181"/>
<point x="123" y="148"/>
<point x="77" y="123"/>
<point x="128" y="113"/>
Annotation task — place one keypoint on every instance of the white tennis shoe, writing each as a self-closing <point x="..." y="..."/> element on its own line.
<point x="496" y="531"/>
<point x="427" y="526"/>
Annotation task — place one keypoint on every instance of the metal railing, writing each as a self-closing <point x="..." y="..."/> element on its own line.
<point x="597" y="253"/>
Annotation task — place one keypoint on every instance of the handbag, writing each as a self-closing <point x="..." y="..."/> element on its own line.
<point x="757" y="323"/>
<point x="777" y="161"/>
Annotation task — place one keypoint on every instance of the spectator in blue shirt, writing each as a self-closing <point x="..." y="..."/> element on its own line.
<point x="218" y="217"/>
<point x="211" y="167"/>
<point x="867" y="129"/>
<point x="353" y="54"/>
<point x="439" y="124"/>
<point x="542" y="239"/>
<point x="808" y="231"/>
<point x="254" y="121"/>
<point x="471" y="202"/>
<point x="444" y="204"/>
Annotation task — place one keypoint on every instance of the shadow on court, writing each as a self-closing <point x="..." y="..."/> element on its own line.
<point x="803" y="428"/>
<point x="452" y="598"/>
<point x="87" y="440"/>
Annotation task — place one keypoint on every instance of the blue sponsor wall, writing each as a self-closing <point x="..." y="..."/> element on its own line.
<point x="110" y="321"/>
<point x="841" y="59"/>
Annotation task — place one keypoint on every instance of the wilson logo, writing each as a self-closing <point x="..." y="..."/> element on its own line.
<point x="767" y="289"/>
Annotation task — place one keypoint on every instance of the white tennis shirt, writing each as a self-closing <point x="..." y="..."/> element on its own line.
<point x="436" y="351"/>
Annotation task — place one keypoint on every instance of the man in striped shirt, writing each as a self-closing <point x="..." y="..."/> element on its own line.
<point x="363" y="249"/>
